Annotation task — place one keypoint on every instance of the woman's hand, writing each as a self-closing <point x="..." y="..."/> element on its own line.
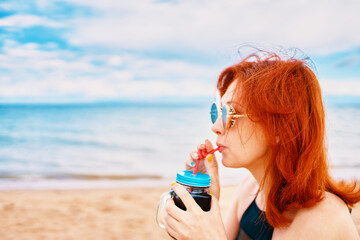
<point x="209" y="165"/>
<point x="193" y="223"/>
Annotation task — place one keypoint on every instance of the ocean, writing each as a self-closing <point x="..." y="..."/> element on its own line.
<point x="109" y="144"/>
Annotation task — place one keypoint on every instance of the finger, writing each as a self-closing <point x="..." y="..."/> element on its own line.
<point x="208" y="145"/>
<point x="210" y="162"/>
<point x="201" y="146"/>
<point x="212" y="166"/>
<point x="172" y="233"/>
<point x="212" y="169"/>
<point x="170" y="220"/>
<point x="194" y="155"/>
<point x="186" y="198"/>
<point x="172" y="210"/>
<point x="189" y="164"/>
<point x="202" y="151"/>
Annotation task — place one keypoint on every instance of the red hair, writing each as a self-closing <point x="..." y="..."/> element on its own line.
<point x="284" y="97"/>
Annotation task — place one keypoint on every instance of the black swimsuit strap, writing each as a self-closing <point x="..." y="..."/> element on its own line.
<point x="253" y="224"/>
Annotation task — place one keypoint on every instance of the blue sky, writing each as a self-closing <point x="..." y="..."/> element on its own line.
<point x="77" y="50"/>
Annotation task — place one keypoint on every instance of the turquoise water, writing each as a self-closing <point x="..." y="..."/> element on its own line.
<point x="127" y="141"/>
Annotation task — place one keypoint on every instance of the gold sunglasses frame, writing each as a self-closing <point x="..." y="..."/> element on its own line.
<point x="230" y="115"/>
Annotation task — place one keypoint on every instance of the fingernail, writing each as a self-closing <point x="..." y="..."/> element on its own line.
<point x="192" y="164"/>
<point x="209" y="158"/>
<point x="173" y="183"/>
<point x="210" y="192"/>
<point x="206" y="140"/>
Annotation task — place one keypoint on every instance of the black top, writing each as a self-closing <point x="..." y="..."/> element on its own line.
<point x="253" y="224"/>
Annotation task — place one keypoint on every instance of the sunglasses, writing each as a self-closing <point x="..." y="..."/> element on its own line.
<point x="227" y="112"/>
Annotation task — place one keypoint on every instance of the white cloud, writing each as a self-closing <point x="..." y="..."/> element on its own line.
<point x="210" y="26"/>
<point x="115" y="61"/>
<point x="173" y="70"/>
<point x="47" y="75"/>
<point x="340" y="86"/>
<point x="26" y="20"/>
<point x="206" y="27"/>
<point x="37" y="74"/>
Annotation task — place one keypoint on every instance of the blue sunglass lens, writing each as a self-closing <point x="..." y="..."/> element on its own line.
<point x="224" y="115"/>
<point x="213" y="113"/>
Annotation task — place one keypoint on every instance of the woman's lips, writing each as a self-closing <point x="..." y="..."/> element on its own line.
<point x="221" y="148"/>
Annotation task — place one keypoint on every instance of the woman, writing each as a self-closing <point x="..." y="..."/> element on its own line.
<point x="272" y="122"/>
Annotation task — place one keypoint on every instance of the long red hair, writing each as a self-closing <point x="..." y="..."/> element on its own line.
<point x="284" y="97"/>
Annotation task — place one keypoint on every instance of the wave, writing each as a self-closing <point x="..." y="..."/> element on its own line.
<point x="76" y="176"/>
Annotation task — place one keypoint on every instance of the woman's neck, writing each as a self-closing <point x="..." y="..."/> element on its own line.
<point x="264" y="187"/>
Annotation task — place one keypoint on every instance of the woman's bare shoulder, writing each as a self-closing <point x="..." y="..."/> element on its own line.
<point x="328" y="219"/>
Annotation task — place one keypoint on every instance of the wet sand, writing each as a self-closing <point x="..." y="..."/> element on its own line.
<point x="124" y="213"/>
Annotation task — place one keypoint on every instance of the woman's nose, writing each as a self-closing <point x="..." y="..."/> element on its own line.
<point x="217" y="127"/>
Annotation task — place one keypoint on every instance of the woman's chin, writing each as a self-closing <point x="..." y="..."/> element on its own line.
<point x="226" y="163"/>
<point x="229" y="163"/>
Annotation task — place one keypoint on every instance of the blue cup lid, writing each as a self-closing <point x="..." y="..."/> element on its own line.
<point x="188" y="178"/>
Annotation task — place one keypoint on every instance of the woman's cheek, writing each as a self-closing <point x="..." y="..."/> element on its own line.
<point x="230" y="159"/>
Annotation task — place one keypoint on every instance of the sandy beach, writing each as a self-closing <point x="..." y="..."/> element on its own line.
<point x="124" y="213"/>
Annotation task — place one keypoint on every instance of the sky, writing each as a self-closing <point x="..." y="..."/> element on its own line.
<point x="83" y="50"/>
